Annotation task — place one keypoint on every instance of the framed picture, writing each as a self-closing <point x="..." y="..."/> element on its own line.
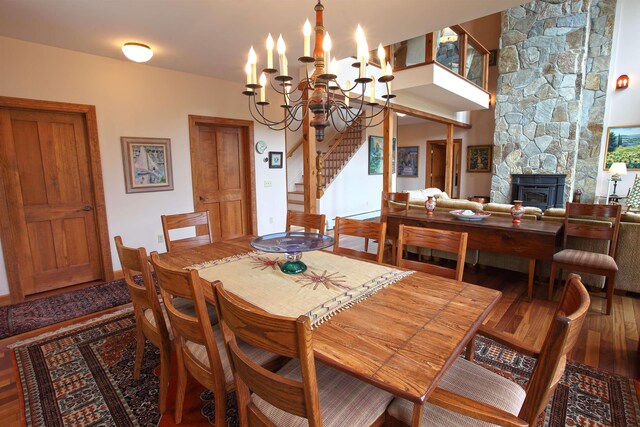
<point x="376" y="155"/>
<point x="408" y="161"/>
<point x="479" y="158"/>
<point x="147" y="164"/>
<point x="623" y="145"/>
<point x="275" y="159"/>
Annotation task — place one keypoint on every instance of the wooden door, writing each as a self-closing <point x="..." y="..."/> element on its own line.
<point x="436" y="166"/>
<point x="47" y="182"/>
<point x="221" y="170"/>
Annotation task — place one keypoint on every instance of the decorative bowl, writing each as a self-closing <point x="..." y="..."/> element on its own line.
<point x="469" y="215"/>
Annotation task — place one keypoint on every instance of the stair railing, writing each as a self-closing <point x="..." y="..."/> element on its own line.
<point x="321" y="158"/>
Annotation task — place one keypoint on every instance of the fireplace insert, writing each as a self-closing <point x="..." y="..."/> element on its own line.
<point x="540" y="190"/>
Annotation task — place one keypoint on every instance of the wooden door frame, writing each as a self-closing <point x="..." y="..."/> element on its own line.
<point x="246" y="126"/>
<point x="456" y="141"/>
<point x="15" y="240"/>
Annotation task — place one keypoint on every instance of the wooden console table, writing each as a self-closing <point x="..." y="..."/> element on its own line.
<point x="536" y="240"/>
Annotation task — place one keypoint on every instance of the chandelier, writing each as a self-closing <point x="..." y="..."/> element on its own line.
<point x="320" y="94"/>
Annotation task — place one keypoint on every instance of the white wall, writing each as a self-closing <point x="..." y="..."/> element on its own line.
<point x="622" y="106"/>
<point x="139" y="100"/>
<point x="354" y="192"/>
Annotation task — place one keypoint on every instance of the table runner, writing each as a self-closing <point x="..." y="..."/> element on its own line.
<point x="330" y="284"/>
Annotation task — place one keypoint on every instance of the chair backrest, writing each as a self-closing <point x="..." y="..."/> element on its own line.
<point x="399" y="198"/>
<point x="366" y="229"/>
<point x="144" y="296"/>
<point x="285" y="336"/>
<point x="197" y="329"/>
<point x="448" y="241"/>
<point x="561" y="337"/>
<point x="609" y="213"/>
<point x="306" y="220"/>
<point x="200" y="220"/>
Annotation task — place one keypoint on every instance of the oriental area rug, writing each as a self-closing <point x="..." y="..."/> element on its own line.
<point x="26" y="316"/>
<point x="83" y="375"/>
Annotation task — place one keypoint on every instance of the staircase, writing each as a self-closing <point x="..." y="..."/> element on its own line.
<point x="329" y="164"/>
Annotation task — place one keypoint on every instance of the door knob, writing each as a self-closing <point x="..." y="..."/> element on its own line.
<point x="87" y="208"/>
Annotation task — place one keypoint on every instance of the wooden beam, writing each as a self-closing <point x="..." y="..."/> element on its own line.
<point x="448" y="170"/>
<point x="430" y="50"/>
<point x="387" y="172"/>
<point x="309" y="165"/>
<point x="427" y="116"/>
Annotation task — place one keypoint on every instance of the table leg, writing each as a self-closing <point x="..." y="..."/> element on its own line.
<point x="532" y="275"/>
<point x="416" y="419"/>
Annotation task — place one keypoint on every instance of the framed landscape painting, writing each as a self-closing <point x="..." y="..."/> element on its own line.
<point x="623" y="145"/>
<point x="479" y="158"/>
<point x="376" y="155"/>
<point x="408" y="161"/>
<point x="147" y="164"/>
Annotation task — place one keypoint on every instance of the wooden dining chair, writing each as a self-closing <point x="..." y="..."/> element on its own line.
<point x="302" y="388"/>
<point x="200" y="220"/>
<point x="367" y="229"/>
<point x="585" y="261"/>
<point x="448" y="241"/>
<point x="391" y="202"/>
<point x="311" y="221"/>
<point x="148" y="313"/>
<point x="470" y="394"/>
<point x="199" y="345"/>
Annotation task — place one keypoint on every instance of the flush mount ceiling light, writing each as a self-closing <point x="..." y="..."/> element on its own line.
<point x="137" y="52"/>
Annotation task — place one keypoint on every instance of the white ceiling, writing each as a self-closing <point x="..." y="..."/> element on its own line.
<point x="212" y="37"/>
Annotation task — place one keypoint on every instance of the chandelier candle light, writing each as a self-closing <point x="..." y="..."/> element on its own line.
<point x="320" y="94"/>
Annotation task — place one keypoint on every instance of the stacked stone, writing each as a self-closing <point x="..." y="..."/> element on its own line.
<point x="542" y="100"/>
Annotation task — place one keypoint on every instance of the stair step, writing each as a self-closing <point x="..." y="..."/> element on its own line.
<point x="296" y="192"/>
<point x="295" y="202"/>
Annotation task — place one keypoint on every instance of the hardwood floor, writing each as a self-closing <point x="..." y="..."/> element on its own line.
<point x="606" y="342"/>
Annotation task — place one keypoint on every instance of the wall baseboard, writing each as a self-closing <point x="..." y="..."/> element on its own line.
<point x="5" y="300"/>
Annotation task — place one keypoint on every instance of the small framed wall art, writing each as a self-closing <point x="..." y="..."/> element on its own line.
<point x="479" y="158"/>
<point x="408" y="161"/>
<point x="147" y="164"/>
<point x="275" y="159"/>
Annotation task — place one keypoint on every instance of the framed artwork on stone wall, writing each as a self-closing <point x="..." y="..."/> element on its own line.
<point x="623" y="145"/>
<point x="479" y="158"/>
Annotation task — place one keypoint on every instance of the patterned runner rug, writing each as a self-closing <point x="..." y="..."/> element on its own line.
<point x="83" y="376"/>
<point x="26" y="316"/>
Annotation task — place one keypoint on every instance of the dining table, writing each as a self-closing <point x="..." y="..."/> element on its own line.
<point x="401" y="338"/>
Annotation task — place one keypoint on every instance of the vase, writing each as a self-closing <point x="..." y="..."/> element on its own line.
<point x="430" y="205"/>
<point x="517" y="211"/>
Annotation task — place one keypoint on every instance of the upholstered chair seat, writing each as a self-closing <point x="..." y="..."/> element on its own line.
<point x="344" y="400"/>
<point x="185" y="306"/>
<point x="259" y="356"/>
<point x="470" y="380"/>
<point x="586" y="259"/>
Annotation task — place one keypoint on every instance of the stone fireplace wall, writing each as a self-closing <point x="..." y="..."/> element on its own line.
<point x="553" y="73"/>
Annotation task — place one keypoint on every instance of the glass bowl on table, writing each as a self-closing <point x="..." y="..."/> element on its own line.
<point x="292" y="244"/>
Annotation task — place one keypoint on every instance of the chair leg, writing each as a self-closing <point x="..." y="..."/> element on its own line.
<point x="182" y="387"/>
<point x="165" y="365"/>
<point x="221" y="407"/>
<point x="611" y="281"/>
<point x="394" y="261"/>
<point x="366" y="244"/>
<point x="140" y="341"/>
<point x="552" y="280"/>
<point x="470" y="349"/>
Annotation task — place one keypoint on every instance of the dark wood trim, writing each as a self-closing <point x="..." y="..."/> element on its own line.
<point x="10" y="241"/>
<point x="387" y="171"/>
<point x="5" y="300"/>
<point x="247" y="130"/>
<point x="427" y="116"/>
